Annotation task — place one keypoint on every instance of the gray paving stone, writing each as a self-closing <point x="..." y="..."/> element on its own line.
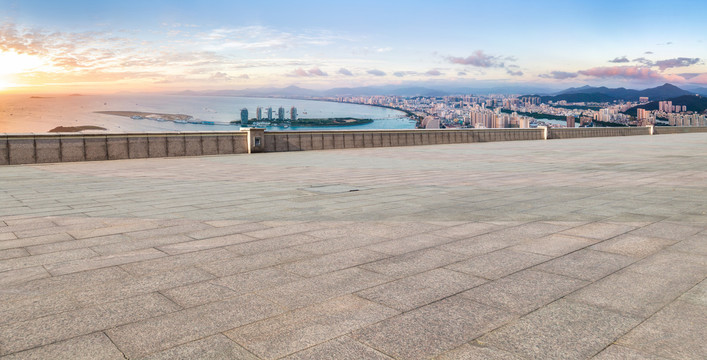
<point x="417" y="290"/>
<point x="87" y="347"/>
<point x="209" y="243"/>
<point x="37" y="240"/>
<point x="46" y="259"/>
<point x="49" y="329"/>
<point x="586" y="264"/>
<point x="19" y="276"/>
<point x="323" y="287"/>
<point x="466" y="230"/>
<point x="561" y="330"/>
<point x="333" y="245"/>
<point x="409" y="244"/>
<point x="524" y="291"/>
<point x="413" y="263"/>
<point x="252" y="262"/>
<point x="305" y="327"/>
<point x="239" y="228"/>
<point x="675" y="332"/>
<point x="163" y="332"/>
<point x="432" y="329"/>
<point x="632" y="245"/>
<point x="632" y="293"/>
<point x="198" y="294"/>
<point x="260" y="279"/>
<point x="271" y="244"/>
<point x="554" y="245"/>
<point x="215" y="347"/>
<point x="103" y="261"/>
<point x="475" y="351"/>
<point x="694" y="245"/>
<point x="668" y="230"/>
<point x="617" y="352"/>
<point x="75" y="244"/>
<point x="599" y="230"/>
<point x="343" y="348"/>
<point x="499" y="263"/>
<point x="168" y="263"/>
<point x="13" y="253"/>
<point x="677" y="265"/>
<point x="332" y="262"/>
<point x="697" y="295"/>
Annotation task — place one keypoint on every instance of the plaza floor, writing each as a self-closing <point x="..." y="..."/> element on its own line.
<point x="559" y="249"/>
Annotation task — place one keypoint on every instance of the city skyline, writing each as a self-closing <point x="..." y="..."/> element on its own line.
<point x="75" y="46"/>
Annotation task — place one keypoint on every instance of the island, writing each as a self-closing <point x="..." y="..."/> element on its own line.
<point x="75" y="128"/>
<point x="343" y="121"/>
<point x="139" y="115"/>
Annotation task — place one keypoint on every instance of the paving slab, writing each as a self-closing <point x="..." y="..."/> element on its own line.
<point x="555" y="248"/>
<point x="293" y="331"/>
<point x="433" y="329"/>
<point x="561" y="330"/>
<point x="524" y="291"/>
<point x="675" y="332"/>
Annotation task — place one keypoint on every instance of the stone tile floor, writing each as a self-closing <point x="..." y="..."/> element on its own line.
<point x="561" y="249"/>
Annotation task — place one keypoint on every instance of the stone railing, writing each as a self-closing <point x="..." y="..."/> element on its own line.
<point x="45" y="148"/>
<point x="663" y="130"/>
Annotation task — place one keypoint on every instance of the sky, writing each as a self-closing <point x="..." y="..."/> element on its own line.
<point x="152" y="46"/>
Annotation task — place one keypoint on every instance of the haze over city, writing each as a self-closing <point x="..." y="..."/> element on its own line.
<point x="110" y="46"/>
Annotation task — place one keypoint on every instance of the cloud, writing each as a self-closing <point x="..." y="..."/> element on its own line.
<point x="244" y="76"/>
<point x="315" y="71"/>
<point x="559" y="75"/>
<point x="376" y="72"/>
<point x="433" y="73"/>
<point x="648" y="53"/>
<point x="644" y="61"/>
<point x="221" y="76"/>
<point x="617" y="60"/>
<point x="344" y="71"/>
<point x="399" y="73"/>
<point x="627" y="72"/>
<point x="479" y="59"/>
<point x="385" y="49"/>
<point x="676" y="62"/>
<point x="461" y="73"/>
<point x="514" y="73"/>
<point x="689" y="76"/>
<point x="300" y="72"/>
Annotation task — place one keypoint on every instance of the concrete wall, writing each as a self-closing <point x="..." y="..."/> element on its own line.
<point x="663" y="130"/>
<point x="567" y="133"/>
<point x="45" y="148"/>
<point x="323" y="140"/>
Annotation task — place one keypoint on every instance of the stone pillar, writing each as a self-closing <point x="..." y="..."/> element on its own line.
<point x="544" y="129"/>
<point x="650" y="129"/>
<point x="256" y="139"/>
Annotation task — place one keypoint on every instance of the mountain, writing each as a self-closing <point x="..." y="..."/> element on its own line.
<point x="698" y="90"/>
<point x="662" y="92"/>
<point x="695" y="103"/>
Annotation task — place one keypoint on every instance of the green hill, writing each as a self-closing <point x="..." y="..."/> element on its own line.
<point x="695" y="103"/>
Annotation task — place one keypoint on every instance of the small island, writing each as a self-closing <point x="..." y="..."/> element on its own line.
<point x="344" y="121"/>
<point x="75" y="128"/>
<point x="139" y="115"/>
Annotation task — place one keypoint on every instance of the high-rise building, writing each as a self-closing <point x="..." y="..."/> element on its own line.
<point x="281" y="113"/>
<point x="270" y="113"/>
<point x="244" y="116"/>
<point x="570" y="121"/>
<point x="643" y="99"/>
<point x="293" y="114"/>
<point x="259" y="113"/>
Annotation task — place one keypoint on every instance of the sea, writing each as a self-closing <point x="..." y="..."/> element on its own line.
<point x="35" y="114"/>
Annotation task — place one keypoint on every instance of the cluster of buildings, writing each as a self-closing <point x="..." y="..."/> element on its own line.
<point x="269" y="115"/>
<point x="497" y="111"/>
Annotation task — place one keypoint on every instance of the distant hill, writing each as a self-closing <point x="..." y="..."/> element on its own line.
<point x="699" y="90"/>
<point x="693" y="102"/>
<point x="604" y="94"/>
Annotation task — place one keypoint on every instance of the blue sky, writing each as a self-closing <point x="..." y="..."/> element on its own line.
<point x="171" y="45"/>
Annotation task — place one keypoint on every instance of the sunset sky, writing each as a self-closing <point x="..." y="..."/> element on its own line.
<point x="111" y="46"/>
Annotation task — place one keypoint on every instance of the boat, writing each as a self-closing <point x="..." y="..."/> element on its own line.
<point x="180" y="121"/>
<point x="207" y="123"/>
